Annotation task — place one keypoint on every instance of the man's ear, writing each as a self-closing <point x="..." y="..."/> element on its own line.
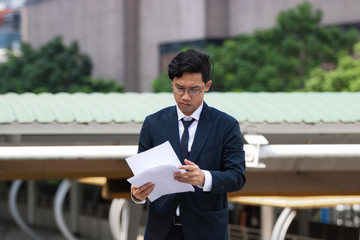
<point x="207" y="85"/>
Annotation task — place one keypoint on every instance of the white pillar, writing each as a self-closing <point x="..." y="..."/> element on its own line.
<point x="267" y="221"/>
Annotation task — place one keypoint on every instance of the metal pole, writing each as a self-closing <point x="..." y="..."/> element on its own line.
<point x="74" y="206"/>
<point x="286" y="224"/>
<point x="114" y="218"/>
<point x="58" y="203"/>
<point x="14" y="189"/>
<point x="282" y="224"/>
<point x="31" y="196"/>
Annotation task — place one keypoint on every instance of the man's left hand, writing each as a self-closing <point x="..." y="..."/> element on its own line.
<point x="193" y="175"/>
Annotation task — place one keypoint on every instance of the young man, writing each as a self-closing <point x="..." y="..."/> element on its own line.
<point x="209" y="144"/>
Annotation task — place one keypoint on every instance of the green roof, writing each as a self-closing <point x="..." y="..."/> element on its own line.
<point x="134" y="107"/>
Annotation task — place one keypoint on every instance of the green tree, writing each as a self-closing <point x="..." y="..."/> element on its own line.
<point x="346" y="77"/>
<point x="52" y="68"/>
<point x="162" y="83"/>
<point x="280" y="58"/>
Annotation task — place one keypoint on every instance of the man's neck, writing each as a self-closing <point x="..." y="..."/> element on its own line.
<point x="195" y="114"/>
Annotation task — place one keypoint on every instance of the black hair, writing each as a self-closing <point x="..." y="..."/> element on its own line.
<point x="190" y="61"/>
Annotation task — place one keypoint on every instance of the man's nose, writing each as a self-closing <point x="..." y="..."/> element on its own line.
<point x="186" y="96"/>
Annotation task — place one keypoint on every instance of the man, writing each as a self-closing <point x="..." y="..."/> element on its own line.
<point x="209" y="144"/>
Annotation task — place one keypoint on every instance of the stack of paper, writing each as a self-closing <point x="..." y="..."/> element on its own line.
<point x="157" y="165"/>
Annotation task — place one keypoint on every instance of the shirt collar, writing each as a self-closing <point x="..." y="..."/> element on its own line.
<point x="195" y="114"/>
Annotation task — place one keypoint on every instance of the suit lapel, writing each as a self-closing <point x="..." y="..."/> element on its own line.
<point x="202" y="132"/>
<point x="172" y="128"/>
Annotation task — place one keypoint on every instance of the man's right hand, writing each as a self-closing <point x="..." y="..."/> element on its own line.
<point x="142" y="192"/>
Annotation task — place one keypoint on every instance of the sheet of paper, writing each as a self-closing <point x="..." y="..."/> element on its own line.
<point x="159" y="155"/>
<point x="157" y="165"/>
<point x="162" y="177"/>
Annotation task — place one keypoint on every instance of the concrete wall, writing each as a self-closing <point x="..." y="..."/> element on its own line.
<point x="98" y="27"/>
<point x="166" y="21"/>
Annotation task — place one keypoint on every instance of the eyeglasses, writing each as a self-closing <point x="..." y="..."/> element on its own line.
<point x="191" y="92"/>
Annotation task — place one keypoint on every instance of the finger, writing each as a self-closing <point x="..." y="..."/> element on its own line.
<point x="147" y="191"/>
<point x="189" y="167"/>
<point x="192" y="177"/>
<point x="188" y="162"/>
<point x="143" y="192"/>
<point x="187" y="176"/>
<point x="191" y="171"/>
<point x="141" y="188"/>
<point x="146" y="185"/>
<point x="190" y="180"/>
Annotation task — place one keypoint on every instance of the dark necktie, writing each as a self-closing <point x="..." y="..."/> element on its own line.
<point x="185" y="139"/>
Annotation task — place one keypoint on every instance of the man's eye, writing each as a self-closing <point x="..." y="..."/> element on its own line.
<point x="194" y="90"/>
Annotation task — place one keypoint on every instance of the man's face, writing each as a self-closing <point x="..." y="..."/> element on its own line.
<point x="192" y="82"/>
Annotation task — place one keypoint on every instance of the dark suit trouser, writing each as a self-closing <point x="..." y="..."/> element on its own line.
<point x="175" y="233"/>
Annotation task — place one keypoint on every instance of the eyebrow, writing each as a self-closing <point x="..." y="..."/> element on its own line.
<point x="193" y="87"/>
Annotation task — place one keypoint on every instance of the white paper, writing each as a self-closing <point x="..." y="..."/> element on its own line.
<point x="157" y="165"/>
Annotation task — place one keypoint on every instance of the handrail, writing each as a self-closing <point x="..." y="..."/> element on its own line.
<point x="124" y="151"/>
<point x="15" y="186"/>
<point x="248" y="233"/>
<point x="58" y="204"/>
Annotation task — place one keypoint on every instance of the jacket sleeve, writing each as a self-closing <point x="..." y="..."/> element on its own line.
<point x="231" y="176"/>
<point x="145" y="141"/>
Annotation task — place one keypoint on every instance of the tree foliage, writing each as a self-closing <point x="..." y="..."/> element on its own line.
<point x="280" y="58"/>
<point x="52" y="68"/>
<point x="162" y="83"/>
<point x="346" y="77"/>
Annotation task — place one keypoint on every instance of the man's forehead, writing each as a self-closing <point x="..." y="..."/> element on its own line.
<point x="193" y="79"/>
<point x="187" y="84"/>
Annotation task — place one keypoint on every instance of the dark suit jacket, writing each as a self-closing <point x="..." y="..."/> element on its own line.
<point x="218" y="148"/>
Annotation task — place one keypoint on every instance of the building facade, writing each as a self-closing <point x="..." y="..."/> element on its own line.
<point x="123" y="37"/>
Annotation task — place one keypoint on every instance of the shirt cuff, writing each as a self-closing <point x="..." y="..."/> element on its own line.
<point x="137" y="201"/>
<point x="208" y="181"/>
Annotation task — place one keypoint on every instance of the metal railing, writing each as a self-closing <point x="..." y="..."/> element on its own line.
<point x="237" y="232"/>
<point x="247" y="233"/>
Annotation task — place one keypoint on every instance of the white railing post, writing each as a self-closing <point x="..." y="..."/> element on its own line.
<point x="117" y="228"/>
<point x="283" y="223"/>
<point x="14" y="189"/>
<point x="58" y="204"/>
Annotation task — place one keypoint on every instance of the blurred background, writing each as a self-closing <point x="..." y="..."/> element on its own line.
<point x="131" y="42"/>
<point x="62" y="52"/>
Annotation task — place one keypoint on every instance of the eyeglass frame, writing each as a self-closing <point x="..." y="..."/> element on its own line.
<point x="190" y="92"/>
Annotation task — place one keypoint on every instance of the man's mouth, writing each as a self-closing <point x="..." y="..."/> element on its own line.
<point x="185" y="104"/>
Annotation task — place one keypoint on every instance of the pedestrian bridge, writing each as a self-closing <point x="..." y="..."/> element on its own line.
<point x="302" y="149"/>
